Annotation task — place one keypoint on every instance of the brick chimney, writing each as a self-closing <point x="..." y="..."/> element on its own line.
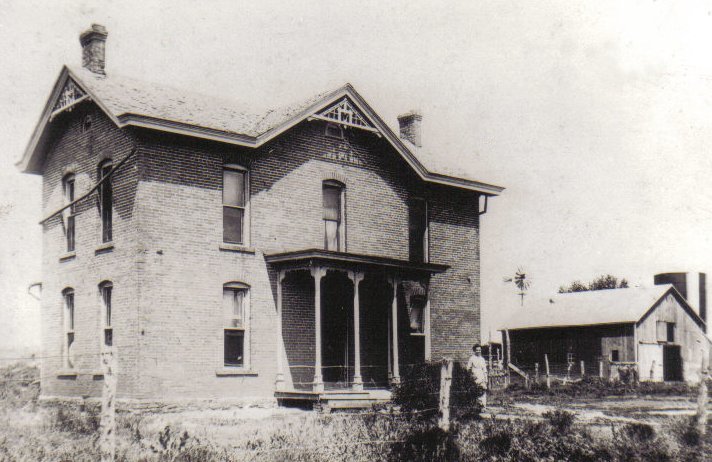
<point x="93" y="55"/>
<point x="410" y="127"/>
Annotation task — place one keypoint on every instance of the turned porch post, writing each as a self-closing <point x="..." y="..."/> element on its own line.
<point x="279" y="382"/>
<point x="395" y="281"/>
<point x="318" y="273"/>
<point x="357" y="277"/>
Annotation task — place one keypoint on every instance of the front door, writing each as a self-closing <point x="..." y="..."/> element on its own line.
<point x="672" y="363"/>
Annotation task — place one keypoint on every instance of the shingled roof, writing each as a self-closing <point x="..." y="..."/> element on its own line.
<point x="129" y="101"/>
<point x="612" y="306"/>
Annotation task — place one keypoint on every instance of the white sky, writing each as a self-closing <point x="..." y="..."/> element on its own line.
<point x="595" y="116"/>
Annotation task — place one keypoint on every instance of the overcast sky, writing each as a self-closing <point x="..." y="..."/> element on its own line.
<point x="595" y="116"/>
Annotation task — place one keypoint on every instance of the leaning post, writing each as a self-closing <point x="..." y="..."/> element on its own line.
<point x="445" y="381"/>
<point x="107" y="435"/>
<point x="546" y="365"/>
<point x="702" y="398"/>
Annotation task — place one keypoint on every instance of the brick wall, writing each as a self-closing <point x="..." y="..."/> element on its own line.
<point x="168" y="265"/>
<point x="74" y="149"/>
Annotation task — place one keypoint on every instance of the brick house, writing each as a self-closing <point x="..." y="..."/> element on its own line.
<point x="225" y="254"/>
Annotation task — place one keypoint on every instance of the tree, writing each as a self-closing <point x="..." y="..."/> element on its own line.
<point x="607" y="281"/>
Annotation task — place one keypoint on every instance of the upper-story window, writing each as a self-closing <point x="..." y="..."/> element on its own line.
<point x="68" y="190"/>
<point x="333" y="203"/>
<point x="235" y="202"/>
<point x="235" y="315"/>
<point x="68" y="321"/>
<point x="666" y="331"/>
<point x="418" y="230"/>
<point x="107" y="331"/>
<point x="106" y="201"/>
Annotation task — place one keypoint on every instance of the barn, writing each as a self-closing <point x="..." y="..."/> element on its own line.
<point x="654" y="330"/>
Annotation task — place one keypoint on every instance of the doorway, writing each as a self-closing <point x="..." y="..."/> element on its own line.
<point x="672" y="363"/>
<point x="337" y="331"/>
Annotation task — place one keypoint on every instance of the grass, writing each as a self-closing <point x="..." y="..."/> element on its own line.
<point x="65" y="433"/>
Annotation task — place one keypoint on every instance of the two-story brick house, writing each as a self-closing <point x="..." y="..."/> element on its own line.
<point x="225" y="254"/>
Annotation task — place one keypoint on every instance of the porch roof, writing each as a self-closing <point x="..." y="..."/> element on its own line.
<point x="313" y="257"/>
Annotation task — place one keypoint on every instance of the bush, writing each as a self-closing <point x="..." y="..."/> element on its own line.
<point x="65" y="418"/>
<point x="19" y="385"/>
<point x="419" y="392"/>
<point x="560" y="420"/>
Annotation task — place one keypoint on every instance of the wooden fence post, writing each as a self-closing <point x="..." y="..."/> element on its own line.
<point x="107" y="428"/>
<point x="583" y="369"/>
<point x="445" y="381"/>
<point x="546" y="364"/>
<point x="536" y="372"/>
<point x="702" y="398"/>
<point x="600" y="369"/>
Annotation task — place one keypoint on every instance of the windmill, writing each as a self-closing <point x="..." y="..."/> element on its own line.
<point x="521" y="282"/>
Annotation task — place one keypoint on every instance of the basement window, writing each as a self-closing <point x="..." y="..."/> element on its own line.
<point x="615" y="356"/>
<point x="235" y="308"/>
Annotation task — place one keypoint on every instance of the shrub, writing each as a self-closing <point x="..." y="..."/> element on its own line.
<point x="419" y="391"/>
<point x="560" y="420"/>
<point x="19" y="385"/>
<point x="68" y="419"/>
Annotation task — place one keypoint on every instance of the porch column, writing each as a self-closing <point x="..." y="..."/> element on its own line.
<point x="357" y="277"/>
<point x="426" y="328"/>
<point x="395" y="281"/>
<point x="279" y="382"/>
<point x="317" y="273"/>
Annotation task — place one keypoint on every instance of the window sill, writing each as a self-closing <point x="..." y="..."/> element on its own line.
<point x="230" y="371"/>
<point x="106" y="247"/>
<point x="67" y="374"/>
<point x="237" y="248"/>
<point x="68" y="256"/>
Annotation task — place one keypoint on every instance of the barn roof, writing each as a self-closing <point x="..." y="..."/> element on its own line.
<point x="129" y="101"/>
<point x="612" y="306"/>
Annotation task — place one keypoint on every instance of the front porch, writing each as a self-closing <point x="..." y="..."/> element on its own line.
<point x="348" y="325"/>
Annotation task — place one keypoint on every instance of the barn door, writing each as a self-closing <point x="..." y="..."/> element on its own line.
<point x="672" y="363"/>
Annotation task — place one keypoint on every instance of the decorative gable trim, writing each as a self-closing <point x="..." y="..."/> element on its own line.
<point x="344" y="113"/>
<point x="70" y="96"/>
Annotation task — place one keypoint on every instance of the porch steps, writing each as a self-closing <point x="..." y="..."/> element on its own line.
<point x="335" y="399"/>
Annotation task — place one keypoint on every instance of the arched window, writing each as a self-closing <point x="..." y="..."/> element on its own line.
<point x="106" y="200"/>
<point x="107" y="331"/>
<point x="68" y="327"/>
<point x="235" y="307"/>
<point x="68" y="214"/>
<point x="333" y="204"/>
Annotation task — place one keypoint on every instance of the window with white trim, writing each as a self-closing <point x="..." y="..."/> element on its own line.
<point x="106" y="201"/>
<point x="333" y="204"/>
<point x="68" y="187"/>
<point x="235" y="203"/>
<point x="235" y="307"/>
<point x="107" y="331"/>
<point x="68" y="320"/>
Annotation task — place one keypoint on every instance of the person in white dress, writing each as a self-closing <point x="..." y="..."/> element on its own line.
<point x="478" y="368"/>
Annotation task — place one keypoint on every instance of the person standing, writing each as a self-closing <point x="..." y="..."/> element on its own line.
<point x="478" y="368"/>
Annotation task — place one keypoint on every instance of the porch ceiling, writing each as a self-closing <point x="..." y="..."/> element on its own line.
<point x="318" y="257"/>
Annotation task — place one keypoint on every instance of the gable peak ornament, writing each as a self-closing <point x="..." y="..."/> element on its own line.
<point x="71" y="94"/>
<point x="345" y="113"/>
